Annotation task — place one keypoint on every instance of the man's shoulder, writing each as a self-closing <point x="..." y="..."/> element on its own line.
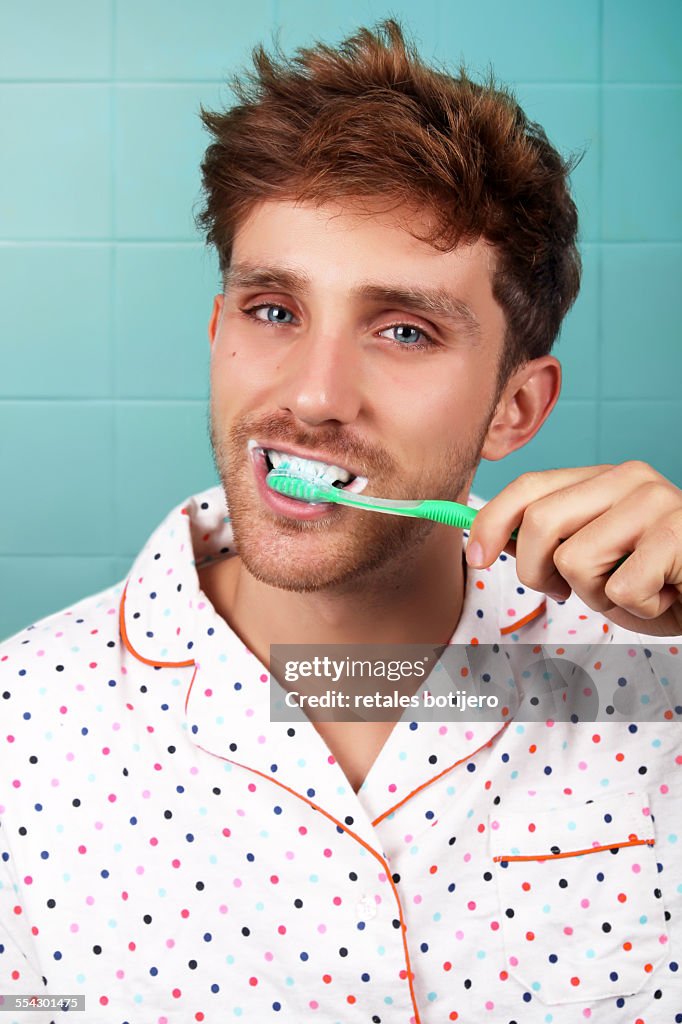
<point x="83" y="634"/>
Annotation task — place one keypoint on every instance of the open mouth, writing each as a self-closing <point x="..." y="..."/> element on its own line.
<point x="312" y="470"/>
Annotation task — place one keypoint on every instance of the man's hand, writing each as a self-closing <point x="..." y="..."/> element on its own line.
<point x="573" y="527"/>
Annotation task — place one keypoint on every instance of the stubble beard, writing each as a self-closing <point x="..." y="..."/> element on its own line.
<point x="347" y="548"/>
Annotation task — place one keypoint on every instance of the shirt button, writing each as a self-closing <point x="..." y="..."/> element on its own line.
<point x="365" y="908"/>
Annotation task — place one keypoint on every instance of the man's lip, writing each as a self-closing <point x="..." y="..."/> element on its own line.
<point x="303" y="454"/>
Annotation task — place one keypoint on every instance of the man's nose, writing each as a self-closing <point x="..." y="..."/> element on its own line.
<point x="321" y="379"/>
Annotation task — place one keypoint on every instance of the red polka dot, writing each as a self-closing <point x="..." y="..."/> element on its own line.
<point x="575" y="981"/>
<point x="253" y="982"/>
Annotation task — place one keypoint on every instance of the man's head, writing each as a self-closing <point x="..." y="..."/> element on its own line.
<point x="351" y="196"/>
<point x="370" y="120"/>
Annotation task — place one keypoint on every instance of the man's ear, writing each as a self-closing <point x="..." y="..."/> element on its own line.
<point x="214" y="320"/>
<point x="528" y="397"/>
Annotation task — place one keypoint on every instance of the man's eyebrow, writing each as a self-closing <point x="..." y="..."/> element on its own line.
<point x="435" y="302"/>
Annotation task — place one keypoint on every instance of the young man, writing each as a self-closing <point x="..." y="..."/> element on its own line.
<point x="398" y="251"/>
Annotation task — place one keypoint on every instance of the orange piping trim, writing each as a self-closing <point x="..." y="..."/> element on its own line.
<point x="129" y="647"/>
<point x="189" y="688"/>
<point x="440" y="775"/>
<point x="579" y="853"/>
<point x="525" y="620"/>
<point x="353" y="835"/>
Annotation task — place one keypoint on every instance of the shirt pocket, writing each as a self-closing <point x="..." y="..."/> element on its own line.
<point x="581" y="911"/>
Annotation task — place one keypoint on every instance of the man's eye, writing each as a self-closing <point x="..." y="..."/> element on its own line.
<point x="405" y="336"/>
<point x="408" y="336"/>
<point x="273" y="314"/>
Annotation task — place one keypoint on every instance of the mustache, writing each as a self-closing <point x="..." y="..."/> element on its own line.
<point x="337" y="442"/>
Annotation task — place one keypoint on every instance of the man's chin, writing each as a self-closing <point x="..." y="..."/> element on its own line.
<point x="300" y="573"/>
<point x="314" y="560"/>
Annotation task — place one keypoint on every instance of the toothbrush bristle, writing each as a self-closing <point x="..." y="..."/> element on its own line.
<point x="291" y="486"/>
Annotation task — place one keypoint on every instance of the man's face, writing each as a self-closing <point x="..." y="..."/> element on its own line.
<point x="342" y="364"/>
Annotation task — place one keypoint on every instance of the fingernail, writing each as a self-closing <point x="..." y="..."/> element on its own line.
<point x="475" y="556"/>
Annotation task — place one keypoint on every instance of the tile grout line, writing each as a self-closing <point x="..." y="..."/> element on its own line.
<point x="599" y="408"/>
<point x="114" y="382"/>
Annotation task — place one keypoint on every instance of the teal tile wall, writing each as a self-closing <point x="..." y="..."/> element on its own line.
<point x="106" y="288"/>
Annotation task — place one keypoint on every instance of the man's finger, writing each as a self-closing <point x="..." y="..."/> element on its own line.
<point x="496" y="521"/>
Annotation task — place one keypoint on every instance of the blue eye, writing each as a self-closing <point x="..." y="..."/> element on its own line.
<point x="406" y="329"/>
<point x="281" y="312"/>
<point x="405" y="336"/>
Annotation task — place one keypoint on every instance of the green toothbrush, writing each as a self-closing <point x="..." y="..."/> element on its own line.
<point x="451" y="513"/>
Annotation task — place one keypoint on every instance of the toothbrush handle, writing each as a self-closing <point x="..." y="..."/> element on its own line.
<point x="451" y="513"/>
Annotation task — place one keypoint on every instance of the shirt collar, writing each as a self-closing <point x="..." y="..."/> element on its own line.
<point x="168" y="622"/>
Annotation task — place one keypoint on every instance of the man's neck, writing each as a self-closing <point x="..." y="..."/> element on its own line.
<point x="416" y="600"/>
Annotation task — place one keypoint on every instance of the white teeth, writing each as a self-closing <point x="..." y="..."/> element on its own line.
<point x="309" y="469"/>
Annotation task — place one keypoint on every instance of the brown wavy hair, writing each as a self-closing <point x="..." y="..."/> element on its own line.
<point x="369" y="119"/>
